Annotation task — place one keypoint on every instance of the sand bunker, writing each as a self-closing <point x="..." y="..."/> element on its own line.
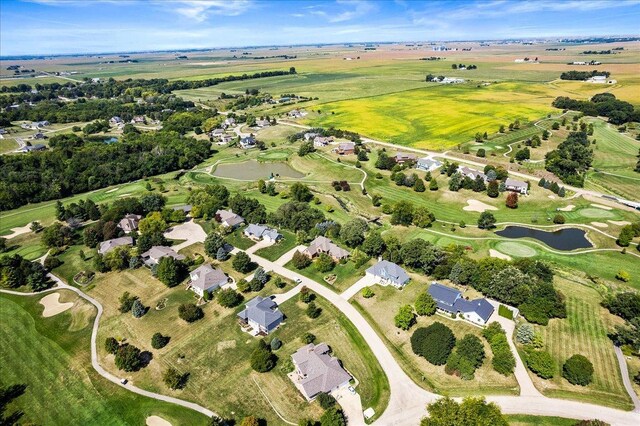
<point x="553" y="197"/>
<point x="499" y="255"/>
<point x="619" y="222"/>
<point x="18" y="231"/>
<point x="600" y="224"/>
<point x="568" y="208"/>
<point x="52" y="305"/>
<point x="124" y="195"/>
<point x="477" y="206"/>
<point x="157" y="421"/>
<point x="600" y="206"/>
<point x="111" y="190"/>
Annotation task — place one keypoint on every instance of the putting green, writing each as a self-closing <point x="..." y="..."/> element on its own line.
<point x="274" y="156"/>
<point x="515" y="249"/>
<point x="594" y="213"/>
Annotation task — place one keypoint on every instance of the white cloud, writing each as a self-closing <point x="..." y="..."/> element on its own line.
<point x="201" y="10"/>
<point x="355" y="9"/>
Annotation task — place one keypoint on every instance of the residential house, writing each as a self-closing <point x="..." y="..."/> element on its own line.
<point x="138" y="119"/>
<point x="388" y="273"/>
<point x="107" y="246"/>
<point x="345" y="148"/>
<point x="263" y="123"/>
<point x="324" y="245"/>
<point x="248" y="142"/>
<point x="229" y="219"/>
<point x="451" y="80"/>
<point x="261" y="232"/>
<point x="297" y="113"/>
<point x="216" y="133"/>
<point x="310" y="136"/>
<point x="403" y="157"/>
<point x="206" y="278"/>
<point x="115" y="120"/>
<point x="186" y="208"/>
<point x="43" y="123"/>
<point x="39" y="135"/>
<point x="471" y="173"/>
<point x="262" y="315"/>
<point x="320" y="141"/>
<point x="3" y="132"/>
<point x="26" y="126"/>
<point x="516" y="186"/>
<point x="31" y="148"/>
<point x="129" y="223"/>
<point x="316" y="371"/>
<point x="427" y="164"/>
<point x="450" y="300"/>
<point x="229" y="121"/>
<point x="153" y="256"/>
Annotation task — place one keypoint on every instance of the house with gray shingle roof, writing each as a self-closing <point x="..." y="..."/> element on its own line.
<point x="450" y="300"/>
<point x="261" y="232"/>
<point x="388" y="273"/>
<point x="516" y="185"/>
<point x="324" y="245"/>
<point x="107" y="246"/>
<point x="229" y="219"/>
<point x="206" y="278"/>
<point x="129" y="222"/>
<point x="262" y="315"/>
<point x="153" y="256"/>
<point x="471" y="173"/>
<point x="427" y="164"/>
<point x="316" y="371"/>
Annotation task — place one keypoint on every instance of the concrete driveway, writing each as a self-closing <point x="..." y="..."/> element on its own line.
<point x="351" y="405"/>
<point x="189" y="231"/>
<point x="366" y="281"/>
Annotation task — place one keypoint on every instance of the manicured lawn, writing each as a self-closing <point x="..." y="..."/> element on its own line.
<point x="51" y="356"/>
<point x="238" y="240"/>
<point x="346" y="275"/>
<point x="275" y="251"/>
<point x="380" y="310"/>
<point x="584" y="331"/>
<point x="526" y="420"/>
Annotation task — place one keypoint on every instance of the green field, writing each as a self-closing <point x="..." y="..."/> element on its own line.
<point x="275" y="251"/>
<point x="526" y="420"/>
<point x="584" y="331"/>
<point x="54" y="359"/>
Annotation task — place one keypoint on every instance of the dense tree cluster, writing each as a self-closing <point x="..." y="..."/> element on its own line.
<point x="466" y="358"/>
<point x="434" y="343"/>
<point x="336" y="133"/>
<point x="262" y="359"/>
<point x="503" y="361"/>
<point x="571" y="159"/>
<point x="469" y="412"/>
<point x="74" y="165"/>
<point x="602" y="104"/>
<point x="16" y="271"/>
<point x="582" y="75"/>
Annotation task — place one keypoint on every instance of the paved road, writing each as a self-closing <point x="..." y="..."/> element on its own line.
<point x="626" y="380"/>
<point x="94" y="351"/>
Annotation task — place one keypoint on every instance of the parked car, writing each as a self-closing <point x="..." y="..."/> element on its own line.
<point x="124" y="381"/>
<point x="352" y="390"/>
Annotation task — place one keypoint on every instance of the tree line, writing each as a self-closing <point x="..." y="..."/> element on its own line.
<point x="602" y="104"/>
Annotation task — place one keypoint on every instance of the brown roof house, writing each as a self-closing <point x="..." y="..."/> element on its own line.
<point x="316" y="371"/>
<point x="107" y="246"/>
<point x="206" y="278"/>
<point x="129" y="223"/>
<point x="404" y="157"/>
<point x="153" y="256"/>
<point x="324" y="245"/>
<point x="345" y="148"/>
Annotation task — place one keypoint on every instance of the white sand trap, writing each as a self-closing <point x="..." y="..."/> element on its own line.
<point x="157" y="421"/>
<point x="553" y="197"/>
<point x="477" y="206"/>
<point x="600" y="206"/>
<point x="52" y="306"/>
<point x="111" y="190"/>
<point x="568" y="208"/>
<point x="499" y="255"/>
<point x="124" y="195"/>
<point x="18" y="231"/>
<point x="619" y="222"/>
<point x="600" y="224"/>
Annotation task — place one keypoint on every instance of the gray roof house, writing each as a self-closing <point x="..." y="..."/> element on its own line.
<point x="324" y="245"/>
<point x="516" y="185"/>
<point x="153" y="256"/>
<point x="247" y="142"/>
<point x="261" y="232"/>
<point x="229" y="219"/>
<point x="320" y="141"/>
<point x="206" y="278"/>
<point x="388" y="273"/>
<point x="31" y="148"/>
<point x="310" y="135"/>
<point x="471" y="173"/>
<point x="427" y="164"/>
<point x="262" y="314"/>
<point x="450" y="300"/>
<point x="129" y="222"/>
<point x="107" y="246"/>
<point x="115" y="120"/>
<point x="316" y="371"/>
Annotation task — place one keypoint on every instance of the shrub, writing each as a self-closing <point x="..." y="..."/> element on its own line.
<point x="333" y="417"/>
<point x="275" y="344"/>
<point x="174" y="379"/>
<point x="558" y="219"/>
<point x="623" y="276"/>
<point x="470" y="347"/>
<point x="128" y="358"/>
<point x="434" y="343"/>
<point x="541" y="363"/>
<point x="228" y="298"/>
<point x="190" y="312"/>
<point x="578" y="370"/>
<point x="405" y="317"/>
<point x="308" y="338"/>
<point x="367" y="293"/>
<point x="503" y="361"/>
<point x="262" y="360"/>
<point x="486" y="220"/>
<point x="158" y="341"/>
<point x="126" y="302"/>
<point x="242" y="263"/>
<point x="525" y="334"/>
<point x="306" y="296"/>
<point x="111" y="345"/>
<point x="326" y="400"/>
<point x="425" y="305"/>
<point x="300" y="260"/>
<point x="512" y="200"/>
<point x="312" y="310"/>
<point x="324" y="263"/>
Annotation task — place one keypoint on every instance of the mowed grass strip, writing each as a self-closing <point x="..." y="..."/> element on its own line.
<point x="584" y="332"/>
<point x="51" y="356"/>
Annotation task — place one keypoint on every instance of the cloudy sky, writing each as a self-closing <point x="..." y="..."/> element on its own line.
<point x="81" y="26"/>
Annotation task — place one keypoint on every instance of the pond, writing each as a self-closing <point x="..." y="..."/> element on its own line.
<point x="564" y="239"/>
<point x="252" y="170"/>
<point x="111" y="140"/>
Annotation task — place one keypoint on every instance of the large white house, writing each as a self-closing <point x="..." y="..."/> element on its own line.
<point x="206" y="278"/>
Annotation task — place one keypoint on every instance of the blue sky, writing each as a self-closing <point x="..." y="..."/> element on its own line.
<point x="80" y="26"/>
